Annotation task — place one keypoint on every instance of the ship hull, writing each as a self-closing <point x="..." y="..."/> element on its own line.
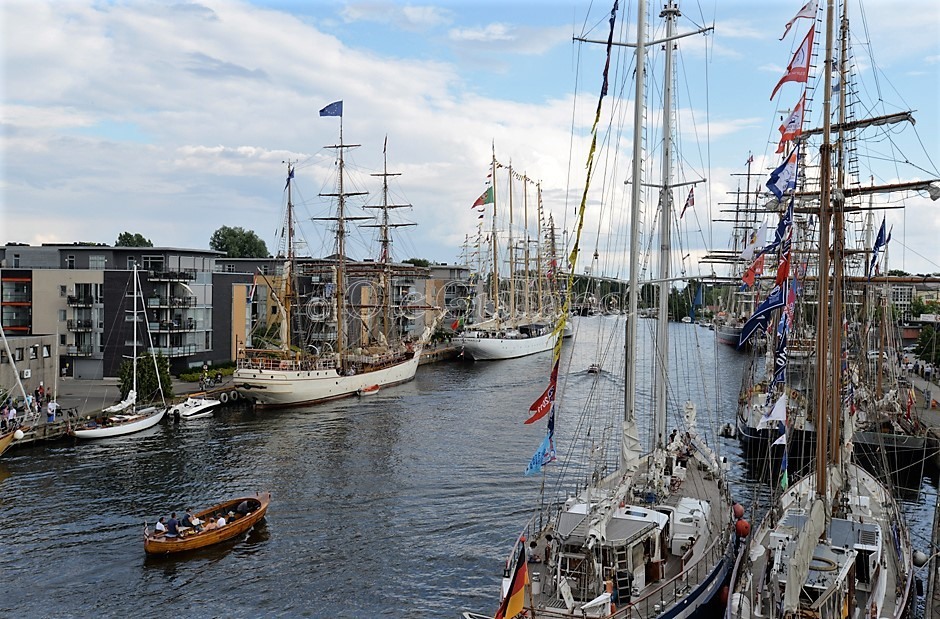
<point x="495" y="348"/>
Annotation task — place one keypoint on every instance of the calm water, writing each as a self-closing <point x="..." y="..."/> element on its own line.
<point x="403" y="504"/>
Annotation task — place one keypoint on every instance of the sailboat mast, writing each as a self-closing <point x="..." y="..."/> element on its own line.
<point x="670" y="13"/>
<point x="288" y="327"/>
<point x="538" y="249"/>
<point x="823" y="361"/>
<point x="525" y="237"/>
<point x="512" y="257"/>
<point x="494" y="243"/>
<point x="627" y="457"/>
<point x="134" y="337"/>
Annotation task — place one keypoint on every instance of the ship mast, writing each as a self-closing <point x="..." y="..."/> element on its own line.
<point x="494" y="244"/>
<point x="385" y="240"/>
<point x="341" y="218"/>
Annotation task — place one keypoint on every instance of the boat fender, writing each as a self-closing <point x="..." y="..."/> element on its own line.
<point x="223" y="397"/>
<point x="233" y="395"/>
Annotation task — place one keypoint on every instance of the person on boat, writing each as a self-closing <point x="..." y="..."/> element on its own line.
<point x="160" y="527"/>
<point x="210" y="524"/>
<point x="221" y="521"/>
<point x="172" y="526"/>
<point x="189" y="521"/>
<point x="242" y="510"/>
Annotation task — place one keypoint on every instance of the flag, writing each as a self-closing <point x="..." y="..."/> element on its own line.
<point x="793" y="127"/>
<point x="783" y="178"/>
<point x="782" y="439"/>
<point x="756" y="268"/>
<point x="760" y="318"/>
<point x="780" y="360"/>
<point x="514" y="602"/>
<point x="880" y="242"/>
<point x="544" y="403"/>
<point x="456" y="324"/>
<point x="798" y="69"/>
<point x="486" y="198"/>
<point x="777" y="413"/>
<point x="808" y="10"/>
<point x="750" y="160"/>
<point x="784" y="473"/>
<point x="783" y="266"/>
<point x="290" y="175"/>
<point x="543" y="455"/>
<point x="783" y="230"/>
<point x="333" y="109"/>
<point x="251" y="291"/>
<point x="757" y="238"/>
<point x="690" y="201"/>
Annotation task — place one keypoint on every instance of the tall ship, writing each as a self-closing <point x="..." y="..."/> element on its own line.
<point x="516" y="315"/>
<point x="834" y="542"/>
<point x="297" y="370"/>
<point x="630" y="531"/>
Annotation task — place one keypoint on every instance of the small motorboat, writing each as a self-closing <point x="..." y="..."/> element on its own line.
<point x="194" y="408"/>
<point x="235" y="524"/>
<point x="371" y="390"/>
<point x="594" y="368"/>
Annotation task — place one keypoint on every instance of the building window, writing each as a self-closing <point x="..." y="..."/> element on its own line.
<point x="131" y="261"/>
<point x="3" y="356"/>
<point x="96" y="262"/>
<point x="152" y="263"/>
<point x="70" y="262"/>
<point x="63" y="291"/>
<point x="62" y="316"/>
<point x="62" y="340"/>
<point x="229" y="268"/>
<point x="17" y="354"/>
<point x="34" y="351"/>
<point x="46" y="353"/>
<point x="16" y="261"/>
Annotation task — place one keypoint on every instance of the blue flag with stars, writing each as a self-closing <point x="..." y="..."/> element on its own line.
<point x="333" y="109"/>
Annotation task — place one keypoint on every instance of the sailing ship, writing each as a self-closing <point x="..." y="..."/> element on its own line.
<point x="125" y="417"/>
<point x="833" y="544"/>
<point x="524" y="323"/>
<point x="644" y="536"/>
<point x="290" y="374"/>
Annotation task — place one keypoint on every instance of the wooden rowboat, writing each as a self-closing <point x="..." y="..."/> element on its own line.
<point x="160" y="544"/>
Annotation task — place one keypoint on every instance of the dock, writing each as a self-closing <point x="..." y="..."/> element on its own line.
<point x="441" y="352"/>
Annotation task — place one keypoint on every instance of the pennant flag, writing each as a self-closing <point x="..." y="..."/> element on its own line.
<point x="756" y="268"/>
<point x="760" y="318"/>
<point x="784" y="473"/>
<point x="808" y="10"/>
<point x="783" y="178"/>
<point x="780" y="361"/>
<point x="690" y="201"/>
<point x="750" y="160"/>
<point x="793" y="127"/>
<point x="543" y="455"/>
<point x="798" y="69"/>
<point x="486" y="198"/>
<point x="290" y="175"/>
<point x="544" y="404"/>
<point x="514" y="602"/>
<point x="880" y="242"/>
<point x="777" y="413"/>
<point x="783" y="230"/>
<point x="783" y="266"/>
<point x="782" y="439"/>
<point x="333" y="109"/>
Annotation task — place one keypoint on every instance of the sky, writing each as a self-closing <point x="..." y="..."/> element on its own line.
<point x="173" y="119"/>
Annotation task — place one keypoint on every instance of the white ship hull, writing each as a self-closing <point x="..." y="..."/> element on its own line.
<point x="278" y="388"/>
<point x="136" y="422"/>
<point x="494" y="348"/>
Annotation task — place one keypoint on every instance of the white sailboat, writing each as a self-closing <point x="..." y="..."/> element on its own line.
<point x="125" y="417"/>
<point x="833" y="544"/>
<point x="288" y="376"/>
<point x="521" y="328"/>
<point x="644" y="535"/>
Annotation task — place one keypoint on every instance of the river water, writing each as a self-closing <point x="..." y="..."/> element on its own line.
<point x="402" y="504"/>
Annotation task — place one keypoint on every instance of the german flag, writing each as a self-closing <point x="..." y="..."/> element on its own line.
<point x="514" y="602"/>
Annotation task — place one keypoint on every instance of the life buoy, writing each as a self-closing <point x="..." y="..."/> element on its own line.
<point x="223" y="397"/>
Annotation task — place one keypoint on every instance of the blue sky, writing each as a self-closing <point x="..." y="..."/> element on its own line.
<point x="173" y="119"/>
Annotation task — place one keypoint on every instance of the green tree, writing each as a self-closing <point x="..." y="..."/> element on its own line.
<point x="238" y="243"/>
<point x="148" y="384"/>
<point x="418" y="262"/>
<point x="126" y="239"/>
<point x="898" y="273"/>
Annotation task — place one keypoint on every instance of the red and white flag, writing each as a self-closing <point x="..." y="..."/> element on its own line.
<point x="793" y="127"/>
<point x="690" y="201"/>
<point x="798" y="69"/>
<point x="808" y="10"/>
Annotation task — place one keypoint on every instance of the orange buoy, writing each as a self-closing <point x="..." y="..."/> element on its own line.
<point x="738" y="510"/>
<point x="742" y="528"/>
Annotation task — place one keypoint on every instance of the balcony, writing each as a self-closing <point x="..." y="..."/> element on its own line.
<point x="171" y="276"/>
<point x="16" y="297"/>
<point x="79" y="351"/>
<point x="173" y="326"/>
<point x="174" y="351"/>
<point x="171" y="302"/>
<point x="80" y="325"/>
<point x="80" y="301"/>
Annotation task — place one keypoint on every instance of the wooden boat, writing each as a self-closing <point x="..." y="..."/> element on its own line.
<point x="160" y="544"/>
<point x="370" y="390"/>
